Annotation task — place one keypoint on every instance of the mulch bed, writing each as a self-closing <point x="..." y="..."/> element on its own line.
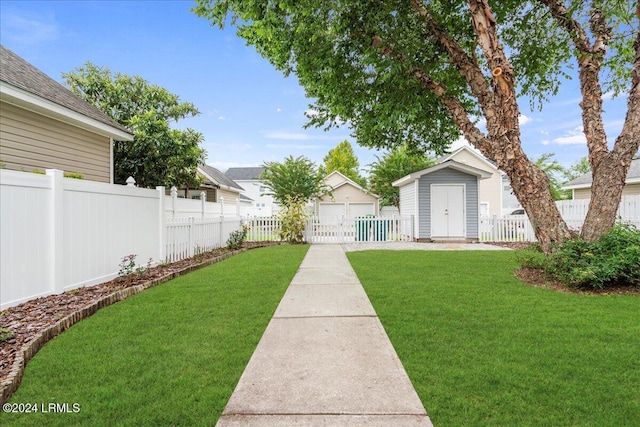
<point x="35" y="322"/>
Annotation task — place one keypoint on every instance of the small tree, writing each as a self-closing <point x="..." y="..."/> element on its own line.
<point x="343" y="159"/>
<point x="293" y="181"/>
<point x="392" y="166"/>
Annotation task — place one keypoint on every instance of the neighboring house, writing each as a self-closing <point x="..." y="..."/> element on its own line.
<point x="581" y="186"/>
<point x="348" y="199"/>
<point x="510" y="202"/>
<point x="491" y="189"/>
<point x="445" y="201"/>
<point x="43" y="125"/>
<point x="216" y="186"/>
<point x="249" y="179"/>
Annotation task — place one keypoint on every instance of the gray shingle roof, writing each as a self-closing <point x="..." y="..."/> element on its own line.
<point x="245" y="174"/>
<point x="221" y="178"/>
<point x="19" y="73"/>
<point x="587" y="179"/>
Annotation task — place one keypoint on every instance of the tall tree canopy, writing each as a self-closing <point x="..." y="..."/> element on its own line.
<point x="158" y="154"/>
<point x="343" y="159"/>
<point x="294" y="181"/>
<point x="392" y="166"/>
<point x="423" y="71"/>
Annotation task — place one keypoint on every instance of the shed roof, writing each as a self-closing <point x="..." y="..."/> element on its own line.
<point x="245" y="173"/>
<point x="449" y="164"/>
<point x="585" y="181"/>
<point x="21" y="75"/>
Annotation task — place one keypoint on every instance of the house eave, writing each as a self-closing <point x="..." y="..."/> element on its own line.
<point x="588" y="185"/>
<point x="29" y="101"/>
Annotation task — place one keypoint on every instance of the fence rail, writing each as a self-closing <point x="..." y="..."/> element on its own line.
<point x="511" y="228"/>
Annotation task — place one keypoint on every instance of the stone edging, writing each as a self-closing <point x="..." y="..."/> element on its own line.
<point x="11" y="383"/>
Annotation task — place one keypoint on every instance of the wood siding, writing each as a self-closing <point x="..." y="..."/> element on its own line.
<point x="628" y="190"/>
<point x="30" y="141"/>
<point x="448" y="176"/>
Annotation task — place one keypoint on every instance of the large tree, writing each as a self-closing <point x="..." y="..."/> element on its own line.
<point x="423" y="71"/>
<point x="158" y="154"/>
<point x="392" y="166"/>
<point x="343" y="159"/>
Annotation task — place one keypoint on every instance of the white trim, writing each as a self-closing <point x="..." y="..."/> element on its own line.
<point x="590" y="184"/>
<point x="449" y="164"/>
<point x="473" y="153"/>
<point x="112" y="176"/>
<point x="29" y="101"/>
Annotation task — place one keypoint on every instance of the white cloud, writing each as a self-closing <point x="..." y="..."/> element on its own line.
<point x="311" y="112"/>
<point x="573" y="137"/>
<point x="222" y="118"/>
<point x="523" y="120"/>
<point x="545" y="142"/>
<point x="30" y="30"/>
<point x="278" y="110"/>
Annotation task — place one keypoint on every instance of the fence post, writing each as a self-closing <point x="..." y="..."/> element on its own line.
<point x="203" y="202"/>
<point x="163" y="226"/>
<point x="174" y="197"/>
<point x="56" y="230"/>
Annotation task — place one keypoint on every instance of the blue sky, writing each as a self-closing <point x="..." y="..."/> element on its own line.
<point x="250" y="113"/>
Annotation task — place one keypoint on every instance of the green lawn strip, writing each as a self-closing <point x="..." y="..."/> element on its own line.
<point x="171" y="355"/>
<point x="483" y="349"/>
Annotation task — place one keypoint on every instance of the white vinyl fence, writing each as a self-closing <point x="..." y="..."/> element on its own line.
<point x="58" y="234"/>
<point x="516" y="228"/>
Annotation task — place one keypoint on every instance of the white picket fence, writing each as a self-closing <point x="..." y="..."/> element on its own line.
<point x="58" y="234"/>
<point x="510" y="228"/>
<point x="337" y="229"/>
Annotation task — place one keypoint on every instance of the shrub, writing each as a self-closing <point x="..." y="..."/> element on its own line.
<point x="612" y="260"/>
<point x="293" y="219"/>
<point x="238" y="237"/>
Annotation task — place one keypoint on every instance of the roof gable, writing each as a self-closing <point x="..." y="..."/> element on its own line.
<point x="23" y="83"/>
<point x="452" y="164"/>
<point x="344" y="180"/>
<point x="467" y="150"/>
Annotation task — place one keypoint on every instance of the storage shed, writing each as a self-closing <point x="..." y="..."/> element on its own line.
<point x="443" y="200"/>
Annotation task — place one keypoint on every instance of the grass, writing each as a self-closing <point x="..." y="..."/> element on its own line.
<point x="171" y="355"/>
<point x="483" y="349"/>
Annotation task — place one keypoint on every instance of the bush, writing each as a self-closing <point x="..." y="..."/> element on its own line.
<point x="237" y="238"/>
<point x="293" y="219"/>
<point x="612" y="260"/>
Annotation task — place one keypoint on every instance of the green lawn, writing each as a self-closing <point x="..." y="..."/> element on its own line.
<point x="482" y="349"/>
<point x="170" y="356"/>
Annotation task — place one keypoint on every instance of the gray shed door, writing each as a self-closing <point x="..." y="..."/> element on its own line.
<point x="447" y="210"/>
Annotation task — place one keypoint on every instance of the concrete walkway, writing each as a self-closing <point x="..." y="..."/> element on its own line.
<point x="324" y="359"/>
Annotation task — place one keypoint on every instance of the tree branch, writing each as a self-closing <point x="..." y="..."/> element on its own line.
<point x="590" y="58"/>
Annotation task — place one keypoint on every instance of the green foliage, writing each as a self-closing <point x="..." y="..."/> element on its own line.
<point x="5" y="333"/>
<point x="328" y="45"/>
<point x="392" y="166"/>
<point x="555" y="172"/>
<point x="612" y="260"/>
<point x="577" y="169"/>
<point x="128" y="266"/>
<point x="293" y="218"/>
<point x="343" y="159"/>
<point x="158" y="155"/>
<point x="296" y="180"/>
<point x="238" y="237"/>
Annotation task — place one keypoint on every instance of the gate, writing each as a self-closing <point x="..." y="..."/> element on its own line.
<point x="340" y="229"/>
